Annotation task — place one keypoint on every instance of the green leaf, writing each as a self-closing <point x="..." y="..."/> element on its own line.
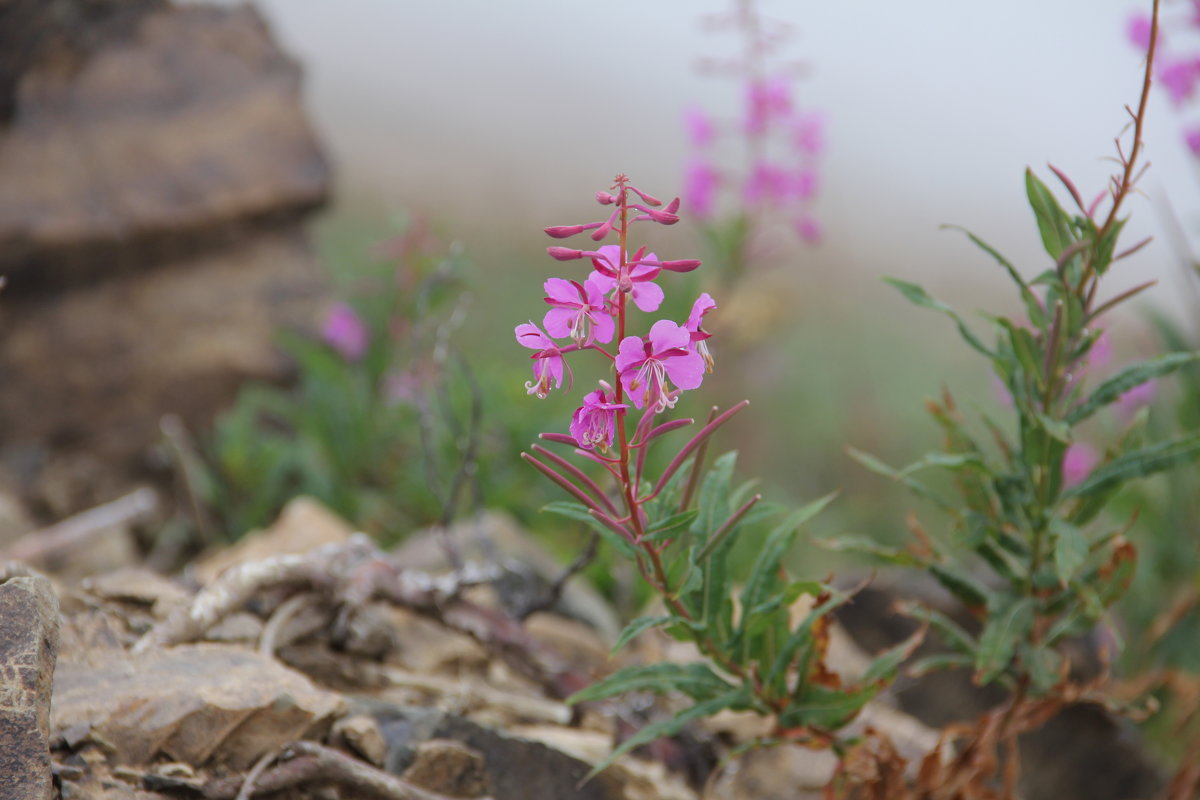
<point x="1133" y="375"/>
<point x="764" y="576"/>
<point x="1008" y="624"/>
<point x="666" y="528"/>
<point x="938" y="662"/>
<point x="1070" y="548"/>
<point x="1044" y="665"/>
<point x="1137" y="464"/>
<point x="578" y="511"/>
<point x="1053" y="223"/>
<point x="695" y="680"/>
<point x="882" y="669"/>
<point x="865" y="545"/>
<point x="825" y="707"/>
<point x="713" y="497"/>
<point x="1032" y="307"/>
<point x="637" y="626"/>
<point x="970" y="591"/>
<point x="916" y="487"/>
<point x="952" y="633"/>
<point x="736" y="699"/>
<point x="920" y="297"/>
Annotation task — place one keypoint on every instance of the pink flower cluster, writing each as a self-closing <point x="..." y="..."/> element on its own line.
<point x="650" y="371"/>
<point x="784" y="142"/>
<point x="1177" y="60"/>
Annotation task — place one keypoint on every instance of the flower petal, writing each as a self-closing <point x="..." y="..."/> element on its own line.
<point x="562" y="291"/>
<point x="558" y="321"/>
<point x="630" y="353"/>
<point x="603" y="327"/>
<point x="666" y="335"/>
<point x="647" y="296"/>
<point x="685" y="371"/>
<point x="530" y="335"/>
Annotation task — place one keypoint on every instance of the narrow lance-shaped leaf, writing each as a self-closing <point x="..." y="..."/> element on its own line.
<point x="1053" y="223"/>
<point x="1128" y="378"/>
<point x="1008" y="623"/>
<point x="920" y="297"/>
<point x="1137" y="464"/>
<point x="764" y="575"/>
<point x="695" y="680"/>
<point x="736" y="699"/>
<point x="638" y="626"/>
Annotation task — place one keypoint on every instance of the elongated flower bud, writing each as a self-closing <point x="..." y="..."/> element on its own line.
<point x="564" y="253"/>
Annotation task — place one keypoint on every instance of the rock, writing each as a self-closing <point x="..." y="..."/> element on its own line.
<point x="156" y="165"/>
<point x="140" y="586"/>
<point x="174" y="127"/>
<point x="449" y="768"/>
<point x="303" y="525"/>
<point x="529" y="568"/>
<point x="88" y="373"/>
<point x="198" y="704"/>
<point x="360" y="733"/>
<point x="1084" y="753"/>
<point x="517" y="769"/>
<point x="29" y="625"/>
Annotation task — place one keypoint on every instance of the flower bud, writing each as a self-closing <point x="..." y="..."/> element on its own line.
<point x="564" y="231"/>
<point x="605" y="199"/>
<point x="564" y="253"/>
<point x="648" y="199"/>
<point x="683" y="265"/>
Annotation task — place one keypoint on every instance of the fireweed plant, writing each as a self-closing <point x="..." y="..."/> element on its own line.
<point x="1030" y="554"/>
<point x="679" y="525"/>
<point x="781" y="144"/>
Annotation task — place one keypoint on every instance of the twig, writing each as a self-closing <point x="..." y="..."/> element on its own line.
<point x="190" y="467"/>
<point x="74" y="531"/>
<point x="534" y="708"/>
<point x="253" y="775"/>
<point x="308" y="763"/>
<point x="281" y="616"/>
<point x="555" y="590"/>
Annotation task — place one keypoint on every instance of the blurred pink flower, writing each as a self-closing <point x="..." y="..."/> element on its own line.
<point x="1140" y="395"/>
<point x="1179" y="79"/>
<point x="1137" y="28"/>
<point x="700" y="187"/>
<point x="699" y="127"/>
<point x="1078" y="462"/>
<point x="345" y="332"/>
<point x="594" y="423"/>
<point x="804" y="184"/>
<point x="809" y="229"/>
<point x="766" y="183"/>
<point x="1192" y="137"/>
<point x="1101" y="352"/>
<point x="808" y="133"/>
<point x="767" y="101"/>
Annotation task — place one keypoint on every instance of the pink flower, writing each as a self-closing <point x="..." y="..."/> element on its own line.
<point x="808" y="133"/>
<point x="1137" y="28"/>
<point x="699" y="127"/>
<point x="766" y="183"/>
<point x="804" y="183"/>
<point x="345" y="332"/>
<point x="580" y="312"/>
<point x="548" y="363"/>
<point x="1078" y="462"/>
<point x="1192" y="138"/>
<point x="1101" y="352"/>
<point x="1179" y="79"/>
<point x="809" y="229"/>
<point x="704" y="304"/>
<point x="700" y="187"/>
<point x="1140" y="395"/>
<point x="644" y="365"/>
<point x="636" y="276"/>
<point x="594" y="423"/>
<point x="766" y="100"/>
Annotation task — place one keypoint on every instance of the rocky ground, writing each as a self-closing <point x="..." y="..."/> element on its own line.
<point x="306" y="662"/>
